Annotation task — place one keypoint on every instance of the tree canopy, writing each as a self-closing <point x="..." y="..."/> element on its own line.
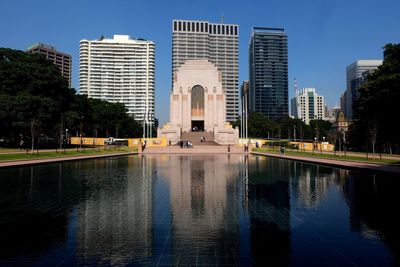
<point x="377" y="112"/>
<point x="35" y="100"/>
<point x="259" y="126"/>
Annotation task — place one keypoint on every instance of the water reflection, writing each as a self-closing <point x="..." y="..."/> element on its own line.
<point x="114" y="223"/>
<point x="204" y="198"/>
<point x="269" y="212"/>
<point x="196" y="210"/>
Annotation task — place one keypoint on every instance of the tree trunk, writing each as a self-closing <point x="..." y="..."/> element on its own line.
<point x="33" y="133"/>
<point x="61" y="130"/>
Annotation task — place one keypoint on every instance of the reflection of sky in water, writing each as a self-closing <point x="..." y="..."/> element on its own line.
<point x="196" y="210"/>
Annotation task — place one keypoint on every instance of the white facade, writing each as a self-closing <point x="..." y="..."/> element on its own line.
<point x="198" y="100"/>
<point x="215" y="42"/>
<point x="308" y="105"/>
<point x="120" y="70"/>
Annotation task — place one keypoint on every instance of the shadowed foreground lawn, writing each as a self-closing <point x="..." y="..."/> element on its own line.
<point x="329" y="156"/>
<point x="68" y="153"/>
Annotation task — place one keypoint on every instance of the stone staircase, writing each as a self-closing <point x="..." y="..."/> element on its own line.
<point x="201" y="149"/>
<point x="195" y="137"/>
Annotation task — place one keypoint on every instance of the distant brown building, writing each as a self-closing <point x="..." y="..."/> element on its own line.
<point x="61" y="60"/>
<point x="340" y="125"/>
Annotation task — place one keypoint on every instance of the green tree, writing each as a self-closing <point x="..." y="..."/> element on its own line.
<point x="378" y="104"/>
<point x="259" y="126"/>
<point x="320" y="128"/>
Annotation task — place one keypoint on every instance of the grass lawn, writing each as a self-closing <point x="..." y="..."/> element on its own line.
<point x="68" y="153"/>
<point x="328" y="156"/>
<point x="7" y="150"/>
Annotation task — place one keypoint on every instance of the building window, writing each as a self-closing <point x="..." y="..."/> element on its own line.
<point x="236" y="32"/>
<point x="188" y="26"/>
<point x="179" y="26"/>
<point x="210" y="29"/>
<point x="193" y="26"/>
<point x="202" y="27"/>
<point x="231" y="30"/>
<point x="223" y="29"/>
<point x="174" y="25"/>
<point x="184" y="26"/>
<point x="197" y="26"/>
<point x="219" y="29"/>
<point x="214" y="29"/>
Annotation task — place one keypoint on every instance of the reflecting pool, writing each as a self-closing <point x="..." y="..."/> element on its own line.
<point x="185" y="210"/>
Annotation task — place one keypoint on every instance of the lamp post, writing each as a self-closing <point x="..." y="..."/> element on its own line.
<point x="80" y="145"/>
<point x="315" y="144"/>
<point x="66" y="139"/>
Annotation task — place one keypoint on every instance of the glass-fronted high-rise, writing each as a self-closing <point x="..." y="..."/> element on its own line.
<point x="215" y="42"/>
<point x="268" y="53"/>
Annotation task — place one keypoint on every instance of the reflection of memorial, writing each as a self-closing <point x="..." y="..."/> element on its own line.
<point x="198" y="102"/>
<point x="269" y="211"/>
<point x="205" y="214"/>
<point x="114" y="225"/>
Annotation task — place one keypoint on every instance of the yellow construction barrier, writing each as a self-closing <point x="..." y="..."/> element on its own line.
<point x="132" y="142"/>
<point x="305" y="146"/>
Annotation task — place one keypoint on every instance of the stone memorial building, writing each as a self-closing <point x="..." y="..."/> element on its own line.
<point x="198" y="105"/>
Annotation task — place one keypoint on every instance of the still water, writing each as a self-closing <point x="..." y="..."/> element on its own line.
<point x="210" y="210"/>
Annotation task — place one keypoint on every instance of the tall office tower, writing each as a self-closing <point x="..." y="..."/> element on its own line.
<point x="119" y="70"/>
<point x="62" y="61"/>
<point x="268" y="52"/>
<point x="356" y="76"/>
<point x="213" y="41"/>
<point x="308" y="105"/>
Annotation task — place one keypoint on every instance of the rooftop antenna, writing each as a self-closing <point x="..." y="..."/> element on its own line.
<point x="222" y="18"/>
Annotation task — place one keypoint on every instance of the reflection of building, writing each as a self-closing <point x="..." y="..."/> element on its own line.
<point x="308" y="105"/>
<point x="119" y="70"/>
<point x="215" y="42"/>
<point x="312" y="186"/>
<point x="197" y="103"/>
<point x="204" y="205"/>
<point x="356" y="74"/>
<point x="117" y="218"/>
<point x="62" y="61"/>
<point x="372" y="201"/>
<point x="269" y="211"/>
<point x="269" y="72"/>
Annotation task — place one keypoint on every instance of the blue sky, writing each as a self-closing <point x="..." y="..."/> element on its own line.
<point x="324" y="35"/>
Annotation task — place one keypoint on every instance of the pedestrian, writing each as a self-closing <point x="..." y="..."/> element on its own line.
<point x="229" y="148"/>
<point x="282" y="150"/>
<point x="21" y="144"/>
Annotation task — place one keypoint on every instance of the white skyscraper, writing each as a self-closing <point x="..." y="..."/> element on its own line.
<point x="308" y="105"/>
<point x="356" y="75"/>
<point x="119" y="70"/>
<point x="215" y="42"/>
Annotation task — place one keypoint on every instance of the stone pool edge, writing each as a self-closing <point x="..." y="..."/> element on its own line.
<point x="17" y="163"/>
<point x="355" y="165"/>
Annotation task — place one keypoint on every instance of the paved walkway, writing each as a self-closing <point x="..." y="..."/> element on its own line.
<point x="15" y="163"/>
<point x="195" y="150"/>
<point x="338" y="163"/>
